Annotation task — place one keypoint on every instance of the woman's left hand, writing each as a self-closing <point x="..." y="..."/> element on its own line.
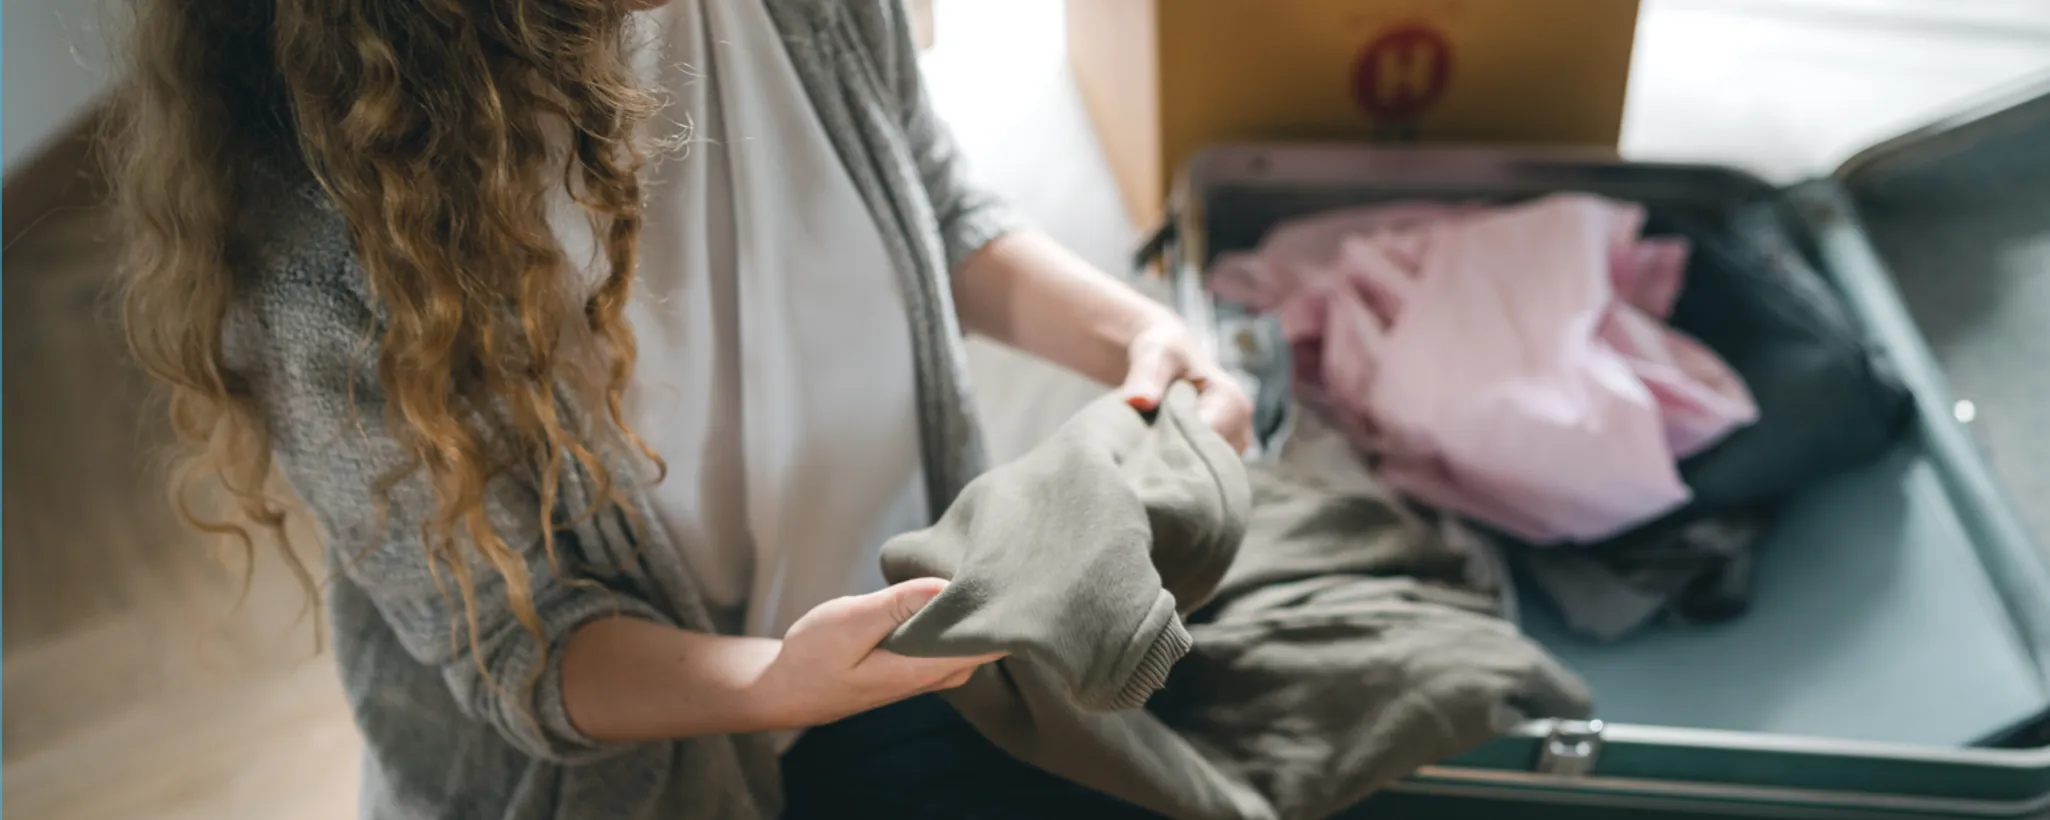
<point x="1164" y="354"/>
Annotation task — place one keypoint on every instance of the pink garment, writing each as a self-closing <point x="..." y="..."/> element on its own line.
<point x="1507" y="364"/>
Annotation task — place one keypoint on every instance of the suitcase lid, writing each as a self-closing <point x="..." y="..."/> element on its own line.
<point x="1959" y="213"/>
<point x="2000" y="131"/>
<point x="1956" y="216"/>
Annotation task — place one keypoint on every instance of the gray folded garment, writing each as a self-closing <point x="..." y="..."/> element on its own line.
<point x="1352" y="642"/>
<point x="1696" y="571"/>
<point x="1080" y="556"/>
<point x="1337" y="646"/>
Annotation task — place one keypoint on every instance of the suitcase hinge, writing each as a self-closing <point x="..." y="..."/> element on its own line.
<point x="1571" y="749"/>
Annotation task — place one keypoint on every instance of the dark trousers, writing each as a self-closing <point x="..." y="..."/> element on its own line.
<point x="920" y="759"/>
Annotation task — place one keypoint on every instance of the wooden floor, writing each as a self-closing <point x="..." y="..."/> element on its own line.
<point x="135" y="687"/>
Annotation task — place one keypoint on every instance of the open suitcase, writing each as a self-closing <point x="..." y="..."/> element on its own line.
<point x="1895" y="661"/>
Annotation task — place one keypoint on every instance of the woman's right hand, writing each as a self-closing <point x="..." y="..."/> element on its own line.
<point x="830" y="665"/>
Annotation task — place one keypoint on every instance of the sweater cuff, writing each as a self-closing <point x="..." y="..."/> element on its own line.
<point x="972" y="230"/>
<point x="535" y="717"/>
<point x="1161" y="640"/>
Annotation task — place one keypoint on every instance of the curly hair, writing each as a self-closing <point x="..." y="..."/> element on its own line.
<point x="436" y="128"/>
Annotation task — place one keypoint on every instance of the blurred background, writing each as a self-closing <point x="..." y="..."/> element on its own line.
<point x="137" y="686"/>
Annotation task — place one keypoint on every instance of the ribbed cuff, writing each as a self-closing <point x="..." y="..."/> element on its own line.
<point x="971" y="231"/>
<point x="549" y="734"/>
<point x="1142" y="670"/>
<point x="1151" y="673"/>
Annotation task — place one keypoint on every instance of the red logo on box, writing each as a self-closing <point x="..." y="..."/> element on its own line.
<point x="1402" y="73"/>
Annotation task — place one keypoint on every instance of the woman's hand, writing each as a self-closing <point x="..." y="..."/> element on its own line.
<point x="830" y="666"/>
<point x="1164" y="354"/>
<point x="626" y="679"/>
<point x="1026" y="291"/>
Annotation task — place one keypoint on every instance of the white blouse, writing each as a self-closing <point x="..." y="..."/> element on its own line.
<point x="775" y="372"/>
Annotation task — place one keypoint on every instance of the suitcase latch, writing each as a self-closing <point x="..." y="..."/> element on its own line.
<point x="1571" y="749"/>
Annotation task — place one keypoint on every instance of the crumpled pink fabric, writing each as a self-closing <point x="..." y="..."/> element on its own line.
<point x="1507" y="364"/>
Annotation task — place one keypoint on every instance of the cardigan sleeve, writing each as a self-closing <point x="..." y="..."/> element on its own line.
<point x="969" y="215"/>
<point x="299" y="337"/>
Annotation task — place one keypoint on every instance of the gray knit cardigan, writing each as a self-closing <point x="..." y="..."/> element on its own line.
<point x="442" y="740"/>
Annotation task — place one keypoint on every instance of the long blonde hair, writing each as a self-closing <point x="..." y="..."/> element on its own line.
<point x="426" y="122"/>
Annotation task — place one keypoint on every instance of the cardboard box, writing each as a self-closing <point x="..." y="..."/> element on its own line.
<point x="1164" y="78"/>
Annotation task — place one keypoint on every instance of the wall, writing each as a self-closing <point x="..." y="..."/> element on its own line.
<point x="53" y="66"/>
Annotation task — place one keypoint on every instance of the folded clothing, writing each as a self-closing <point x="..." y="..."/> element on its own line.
<point x="1054" y="558"/>
<point x="1507" y="364"/>
<point x="1338" y="645"/>
<point x="1077" y="557"/>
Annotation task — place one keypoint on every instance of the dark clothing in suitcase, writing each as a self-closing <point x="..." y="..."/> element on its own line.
<point x="1827" y="402"/>
<point x="1696" y="571"/>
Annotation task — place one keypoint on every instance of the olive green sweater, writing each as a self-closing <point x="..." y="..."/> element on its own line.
<point x="1333" y="641"/>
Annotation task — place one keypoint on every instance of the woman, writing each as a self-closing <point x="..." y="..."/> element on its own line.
<point x="605" y="343"/>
